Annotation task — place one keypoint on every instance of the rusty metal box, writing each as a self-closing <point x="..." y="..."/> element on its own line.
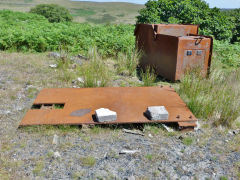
<point x="173" y="49"/>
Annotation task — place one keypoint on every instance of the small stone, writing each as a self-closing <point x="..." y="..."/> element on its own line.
<point x="150" y="135"/>
<point x="131" y="178"/>
<point x="55" y="139"/>
<point x="157" y="113"/>
<point x="80" y="79"/>
<point x="99" y="83"/>
<point x="56" y="154"/>
<point x="105" y="115"/>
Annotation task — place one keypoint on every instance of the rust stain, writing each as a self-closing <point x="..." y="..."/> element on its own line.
<point x="166" y="48"/>
<point x="130" y="103"/>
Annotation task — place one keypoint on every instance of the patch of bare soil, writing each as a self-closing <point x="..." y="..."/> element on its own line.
<point x="65" y="152"/>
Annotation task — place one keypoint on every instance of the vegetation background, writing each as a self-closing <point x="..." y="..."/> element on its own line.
<point x="32" y="32"/>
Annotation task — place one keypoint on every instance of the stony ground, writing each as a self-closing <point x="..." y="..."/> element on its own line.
<point x="67" y="152"/>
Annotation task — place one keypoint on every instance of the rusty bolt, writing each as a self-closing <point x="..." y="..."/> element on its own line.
<point x="178" y="116"/>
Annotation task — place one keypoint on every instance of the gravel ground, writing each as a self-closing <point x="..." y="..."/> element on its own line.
<point x="67" y="152"/>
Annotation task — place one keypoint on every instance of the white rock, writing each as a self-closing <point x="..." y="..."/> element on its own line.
<point x="53" y="65"/>
<point x="198" y="126"/>
<point x="56" y="154"/>
<point x="150" y="135"/>
<point x="80" y="79"/>
<point x="168" y="128"/>
<point x="55" y="139"/>
<point x="105" y="115"/>
<point x="131" y="178"/>
<point x="157" y="113"/>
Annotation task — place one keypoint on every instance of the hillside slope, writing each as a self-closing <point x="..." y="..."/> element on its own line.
<point x="92" y="12"/>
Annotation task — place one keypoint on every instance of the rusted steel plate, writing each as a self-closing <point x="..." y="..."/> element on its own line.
<point x="130" y="103"/>
<point x="187" y="124"/>
<point x="173" y="49"/>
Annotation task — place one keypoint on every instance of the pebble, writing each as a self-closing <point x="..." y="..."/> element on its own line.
<point x="56" y="154"/>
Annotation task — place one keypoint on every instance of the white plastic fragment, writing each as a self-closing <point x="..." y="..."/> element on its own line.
<point x="157" y="113"/>
<point x="105" y="115"/>
<point x="125" y="151"/>
<point x="53" y="65"/>
<point x="55" y="140"/>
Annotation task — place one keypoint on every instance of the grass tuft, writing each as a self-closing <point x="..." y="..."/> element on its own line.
<point x="95" y="73"/>
<point x="215" y="98"/>
<point x="127" y="64"/>
<point x="148" y="77"/>
<point x="88" y="161"/>
<point x="187" y="141"/>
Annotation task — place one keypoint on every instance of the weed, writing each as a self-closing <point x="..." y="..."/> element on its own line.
<point x="149" y="157"/>
<point x="127" y="64"/>
<point x="153" y="128"/>
<point x="187" y="141"/>
<point x="223" y="178"/>
<point x="78" y="175"/>
<point x="148" y="77"/>
<point x="215" y="98"/>
<point x="95" y="73"/>
<point x="31" y="92"/>
<point x="88" y="161"/>
<point x="38" y="168"/>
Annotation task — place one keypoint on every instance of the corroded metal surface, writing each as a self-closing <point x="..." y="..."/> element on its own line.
<point x="130" y="103"/>
<point x="173" y="49"/>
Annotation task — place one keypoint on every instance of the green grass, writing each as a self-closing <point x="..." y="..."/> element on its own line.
<point x="95" y="73"/>
<point x="82" y="12"/>
<point x="149" y="157"/>
<point x="29" y="32"/>
<point x="216" y="98"/>
<point x="119" y="12"/>
<point x="38" y="168"/>
<point x="187" y="141"/>
<point x="105" y="19"/>
<point x="148" y="77"/>
<point x="127" y="64"/>
<point x="88" y="161"/>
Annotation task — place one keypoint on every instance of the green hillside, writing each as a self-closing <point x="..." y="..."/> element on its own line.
<point x="91" y="12"/>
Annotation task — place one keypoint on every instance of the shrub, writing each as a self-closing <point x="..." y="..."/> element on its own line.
<point x="53" y="12"/>
<point x="235" y="15"/>
<point x="211" y="21"/>
<point x="228" y="54"/>
<point x="29" y="32"/>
